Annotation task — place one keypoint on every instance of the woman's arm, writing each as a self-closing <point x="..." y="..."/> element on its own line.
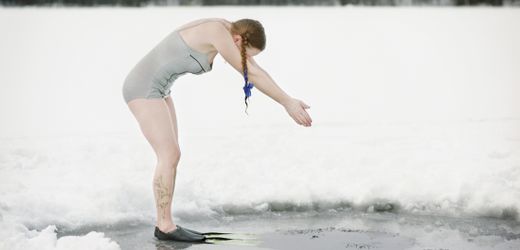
<point x="223" y="42"/>
<point x="269" y="87"/>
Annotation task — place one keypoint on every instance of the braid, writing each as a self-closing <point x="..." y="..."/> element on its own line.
<point x="243" y="53"/>
<point x="253" y="36"/>
<point x="244" y="62"/>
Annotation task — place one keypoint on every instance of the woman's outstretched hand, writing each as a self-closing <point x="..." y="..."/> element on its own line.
<point x="296" y="109"/>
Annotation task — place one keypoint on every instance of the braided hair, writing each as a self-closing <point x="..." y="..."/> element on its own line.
<point x="253" y="35"/>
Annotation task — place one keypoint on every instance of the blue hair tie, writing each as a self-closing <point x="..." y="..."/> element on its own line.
<point x="247" y="89"/>
<point x="247" y="85"/>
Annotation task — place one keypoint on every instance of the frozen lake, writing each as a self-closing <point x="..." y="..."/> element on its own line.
<point x="416" y="121"/>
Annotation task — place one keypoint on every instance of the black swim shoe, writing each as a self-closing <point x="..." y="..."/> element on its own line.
<point x="178" y="234"/>
<point x="191" y="231"/>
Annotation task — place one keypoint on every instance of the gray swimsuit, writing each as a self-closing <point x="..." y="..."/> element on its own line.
<point x="153" y="76"/>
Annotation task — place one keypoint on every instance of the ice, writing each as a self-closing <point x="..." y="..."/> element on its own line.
<point x="415" y="111"/>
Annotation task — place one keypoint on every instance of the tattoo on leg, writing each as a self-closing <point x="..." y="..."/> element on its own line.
<point x="163" y="196"/>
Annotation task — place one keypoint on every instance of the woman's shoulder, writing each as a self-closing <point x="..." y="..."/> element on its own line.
<point x="213" y="23"/>
<point x="205" y="23"/>
<point x="221" y="20"/>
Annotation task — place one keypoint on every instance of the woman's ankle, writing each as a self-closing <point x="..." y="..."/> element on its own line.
<point x="166" y="226"/>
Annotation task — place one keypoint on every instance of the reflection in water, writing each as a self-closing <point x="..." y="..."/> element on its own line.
<point x="173" y="245"/>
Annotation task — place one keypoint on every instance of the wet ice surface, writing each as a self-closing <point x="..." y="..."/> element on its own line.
<point x="344" y="230"/>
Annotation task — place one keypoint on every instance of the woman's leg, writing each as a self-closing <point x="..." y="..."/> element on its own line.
<point x="157" y="125"/>
<point x="173" y="115"/>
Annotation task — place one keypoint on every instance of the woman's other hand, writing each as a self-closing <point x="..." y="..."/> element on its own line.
<point x="296" y="109"/>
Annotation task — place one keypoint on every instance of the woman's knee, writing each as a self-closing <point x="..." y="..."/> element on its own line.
<point x="154" y="119"/>
<point x="170" y="156"/>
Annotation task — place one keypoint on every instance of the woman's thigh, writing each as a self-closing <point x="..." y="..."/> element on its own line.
<point x="173" y="116"/>
<point x="153" y="116"/>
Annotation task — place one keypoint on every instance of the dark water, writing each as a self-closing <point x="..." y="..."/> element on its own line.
<point x="345" y="230"/>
